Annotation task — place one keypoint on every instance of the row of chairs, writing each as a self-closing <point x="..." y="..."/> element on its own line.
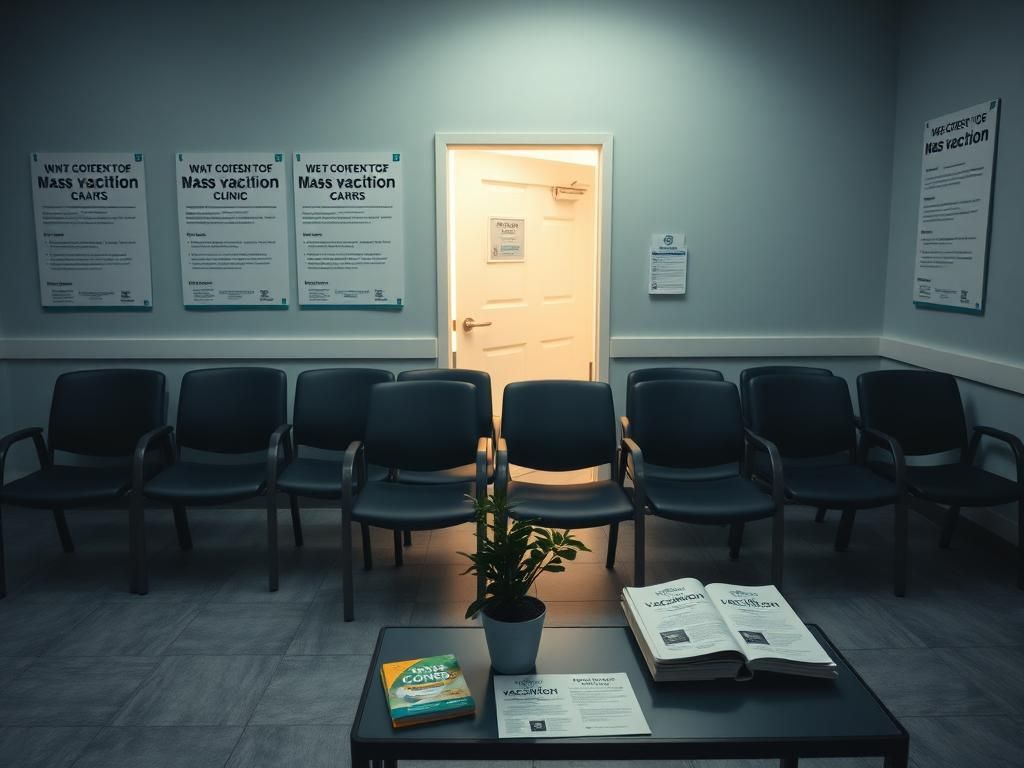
<point x="693" y="453"/>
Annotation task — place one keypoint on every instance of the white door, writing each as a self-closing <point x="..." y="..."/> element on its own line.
<point x="524" y="267"/>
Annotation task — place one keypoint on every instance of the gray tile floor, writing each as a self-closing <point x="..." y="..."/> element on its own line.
<point x="210" y="669"/>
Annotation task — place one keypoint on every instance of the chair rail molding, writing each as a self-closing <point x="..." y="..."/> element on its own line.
<point x="744" y="346"/>
<point x="1003" y="374"/>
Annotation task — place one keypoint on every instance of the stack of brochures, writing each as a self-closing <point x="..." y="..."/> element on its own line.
<point x="426" y="689"/>
<point x="687" y="631"/>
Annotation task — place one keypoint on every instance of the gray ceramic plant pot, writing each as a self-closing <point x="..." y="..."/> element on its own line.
<point x="513" y="644"/>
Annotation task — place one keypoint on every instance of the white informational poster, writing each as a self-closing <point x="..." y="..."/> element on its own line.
<point x="349" y="229"/>
<point x="667" y="256"/>
<point x="561" y="706"/>
<point x="958" y="158"/>
<point x="92" y="233"/>
<point x="507" y="237"/>
<point x="233" y="230"/>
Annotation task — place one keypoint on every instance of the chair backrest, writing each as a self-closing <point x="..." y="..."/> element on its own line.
<point x="921" y="409"/>
<point x="641" y="375"/>
<point x="231" y="410"/>
<point x="331" y="405"/>
<point x="688" y="424"/>
<point x="558" y="425"/>
<point x="747" y="375"/>
<point x="422" y="426"/>
<point x="479" y="379"/>
<point x="105" y="412"/>
<point x="805" y="415"/>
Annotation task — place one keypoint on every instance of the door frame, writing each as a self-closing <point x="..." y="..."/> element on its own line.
<point x="603" y="234"/>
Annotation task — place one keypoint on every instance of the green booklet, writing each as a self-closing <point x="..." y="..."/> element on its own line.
<point x="426" y="689"/>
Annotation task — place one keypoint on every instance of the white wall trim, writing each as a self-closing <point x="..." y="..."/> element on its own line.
<point x="996" y="373"/>
<point x="248" y="348"/>
<point x="743" y="346"/>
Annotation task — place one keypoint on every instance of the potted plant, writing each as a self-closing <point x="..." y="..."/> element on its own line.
<point x="510" y="558"/>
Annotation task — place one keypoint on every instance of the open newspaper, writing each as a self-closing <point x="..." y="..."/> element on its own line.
<point x="688" y="631"/>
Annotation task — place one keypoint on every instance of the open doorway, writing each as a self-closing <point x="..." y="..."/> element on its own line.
<point x="523" y="256"/>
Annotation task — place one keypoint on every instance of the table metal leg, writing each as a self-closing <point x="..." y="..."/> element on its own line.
<point x="900" y="759"/>
<point x="789" y="762"/>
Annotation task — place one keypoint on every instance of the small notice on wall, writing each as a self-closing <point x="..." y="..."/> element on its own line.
<point x="667" y="273"/>
<point x="349" y="231"/>
<point x="508" y="237"/>
<point x="92" y="233"/>
<point x="958" y="161"/>
<point x="233" y="230"/>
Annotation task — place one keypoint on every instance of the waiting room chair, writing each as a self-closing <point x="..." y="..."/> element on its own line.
<point x="923" y="412"/>
<point x="227" y="412"/>
<point x="696" y="429"/>
<point x="329" y="413"/>
<point x="809" y="419"/>
<point x="747" y="375"/>
<point x="95" y="415"/>
<point x="412" y="426"/>
<point x="557" y="426"/>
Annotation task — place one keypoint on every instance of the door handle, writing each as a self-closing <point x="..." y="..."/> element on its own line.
<point x="469" y="324"/>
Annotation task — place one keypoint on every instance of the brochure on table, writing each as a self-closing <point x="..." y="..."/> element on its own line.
<point x="233" y="230"/>
<point x="92" y="234"/>
<point x="561" y="706"/>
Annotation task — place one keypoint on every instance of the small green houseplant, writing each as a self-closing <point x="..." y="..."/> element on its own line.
<point x="511" y="555"/>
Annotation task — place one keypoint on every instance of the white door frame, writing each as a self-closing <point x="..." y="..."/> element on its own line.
<point x="442" y="142"/>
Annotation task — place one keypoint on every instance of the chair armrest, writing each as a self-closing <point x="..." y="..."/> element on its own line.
<point x="621" y="469"/>
<point x="278" y="438"/>
<point x="36" y="433"/>
<point x="164" y="434"/>
<point x="483" y="458"/>
<point x="633" y="459"/>
<point x="624" y="427"/>
<point x="872" y="438"/>
<point x="353" y="473"/>
<point x="1006" y="437"/>
<point x="754" y="442"/>
<point x="501" y="469"/>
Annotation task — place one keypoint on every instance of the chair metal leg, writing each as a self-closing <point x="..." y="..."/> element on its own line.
<point x="778" y="548"/>
<point x="481" y="580"/>
<point x="407" y="538"/>
<point x="820" y="517"/>
<point x="639" y="551"/>
<point x="397" y="534"/>
<point x="137" y="543"/>
<point x="613" y="541"/>
<point x="63" y="531"/>
<point x="296" y="521"/>
<point x="364" y="530"/>
<point x="735" y="540"/>
<point x="3" y="563"/>
<point x="1020" y="544"/>
<point x="346" y="567"/>
<point x="952" y="515"/>
<point x="181" y="526"/>
<point x="272" y="562"/>
<point x="845" y="528"/>
<point x="900" y="529"/>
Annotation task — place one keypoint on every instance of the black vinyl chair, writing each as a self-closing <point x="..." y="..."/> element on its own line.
<point x="557" y="426"/>
<point x="809" y="418"/>
<point x="923" y="412"/>
<point x="228" y="412"/>
<point x="96" y="415"/>
<point x="747" y="375"/>
<point x="696" y="428"/>
<point x="329" y="413"/>
<point x="414" y="426"/>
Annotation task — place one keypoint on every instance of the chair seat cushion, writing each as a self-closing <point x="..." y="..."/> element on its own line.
<point x="202" y="483"/>
<point x="726" y="500"/>
<point x="958" y="485"/>
<point x="319" y="478"/>
<point x="413" y="507"/>
<point x="464" y="474"/>
<point x="66" y="486"/>
<point x="581" y="505"/>
<point x="838" y="486"/>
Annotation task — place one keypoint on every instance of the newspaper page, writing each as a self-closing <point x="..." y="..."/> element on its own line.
<point x="678" y="620"/>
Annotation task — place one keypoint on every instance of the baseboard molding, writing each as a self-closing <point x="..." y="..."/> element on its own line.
<point x="743" y="346"/>
<point x="248" y="348"/>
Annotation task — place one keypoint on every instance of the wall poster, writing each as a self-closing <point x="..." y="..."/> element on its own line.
<point x="958" y="160"/>
<point x="233" y="230"/>
<point x="349" y="230"/>
<point x="667" y="257"/>
<point x="92" y="232"/>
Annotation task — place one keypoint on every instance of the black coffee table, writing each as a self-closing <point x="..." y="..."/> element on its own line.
<point x="772" y="716"/>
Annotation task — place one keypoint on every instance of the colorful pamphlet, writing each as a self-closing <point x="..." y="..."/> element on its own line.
<point x="424" y="690"/>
